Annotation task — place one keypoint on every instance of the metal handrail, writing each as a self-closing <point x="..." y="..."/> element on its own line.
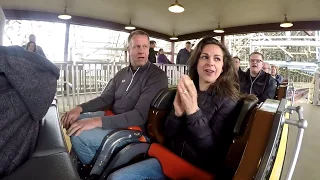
<point x="301" y="124"/>
<point x="271" y="145"/>
<point x="279" y="121"/>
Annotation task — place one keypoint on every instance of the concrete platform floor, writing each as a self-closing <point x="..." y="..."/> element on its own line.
<point x="308" y="164"/>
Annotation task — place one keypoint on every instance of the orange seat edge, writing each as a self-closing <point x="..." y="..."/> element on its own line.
<point x="175" y="167"/>
<point x="136" y="128"/>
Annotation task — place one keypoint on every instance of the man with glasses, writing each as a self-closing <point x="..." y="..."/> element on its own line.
<point x="256" y="81"/>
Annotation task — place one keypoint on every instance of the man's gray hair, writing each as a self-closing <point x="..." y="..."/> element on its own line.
<point x="265" y="63"/>
<point x="2" y="23"/>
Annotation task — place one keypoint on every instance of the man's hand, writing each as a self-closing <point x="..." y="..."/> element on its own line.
<point x="71" y="116"/>
<point x="83" y="125"/>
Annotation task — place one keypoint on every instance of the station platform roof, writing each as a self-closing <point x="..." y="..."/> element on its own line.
<point x="199" y="18"/>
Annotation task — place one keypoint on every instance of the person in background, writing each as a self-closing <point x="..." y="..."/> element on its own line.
<point x="236" y="61"/>
<point x="39" y="50"/>
<point x="184" y="54"/>
<point x="152" y="53"/>
<point x="32" y="47"/>
<point x="266" y="67"/>
<point x="276" y="75"/>
<point x="162" y="58"/>
<point x="256" y="81"/>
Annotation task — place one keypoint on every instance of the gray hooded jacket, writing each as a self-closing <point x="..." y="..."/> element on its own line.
<point x="129" y="94"/>
<point x="28" y="84"/>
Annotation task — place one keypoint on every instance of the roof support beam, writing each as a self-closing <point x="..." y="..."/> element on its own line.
<point x="286" y="43"/>
<point x="76" y="20"/>
<point x="283" y="49"/>
<point x="297" y="26"/>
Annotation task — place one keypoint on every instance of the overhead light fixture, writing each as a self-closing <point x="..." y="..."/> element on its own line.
<point x="218" y="30"/>
<point x="65" y="15"/>
<point x="129" y="26"/>
<point x="176" y="7"/>
<point x="286" y="23"/>
<point x="173" y="37"/>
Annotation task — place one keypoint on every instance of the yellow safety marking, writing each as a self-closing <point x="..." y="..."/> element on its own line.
<point x="278" y="164"/>
<point x="64" y="134"/>
<point x="67" y="138"/>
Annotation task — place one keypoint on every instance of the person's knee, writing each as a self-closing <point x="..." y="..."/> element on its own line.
<point x="83" y="141"/>
<point x="122" y="175"/>
<point x="76" y="140"/>
<point x="81" y="149"/>
<point x="87" y="143"/>
<point x="114" y="176"/>
<point x="147" y="169"/>
<point x="78" y="143"/>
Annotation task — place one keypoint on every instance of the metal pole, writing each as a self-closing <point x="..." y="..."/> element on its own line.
<point x="222" y="39"/>
<point x="172" y="52"/>
<point x="65" y="58"/>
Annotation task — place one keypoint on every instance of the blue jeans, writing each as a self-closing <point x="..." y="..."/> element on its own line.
<point x="88" y="142"/>
<point x="147" y="169"/>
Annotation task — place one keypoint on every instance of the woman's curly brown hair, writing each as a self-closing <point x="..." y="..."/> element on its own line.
<point x="227" y="84"/>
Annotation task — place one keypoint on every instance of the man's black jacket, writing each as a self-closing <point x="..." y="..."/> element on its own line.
<point x="263" y="86"/>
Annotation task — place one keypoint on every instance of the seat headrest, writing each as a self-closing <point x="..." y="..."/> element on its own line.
<point x="247" y="105"/>
<point x="281" y="92"/>
<point x="164" y="99"/>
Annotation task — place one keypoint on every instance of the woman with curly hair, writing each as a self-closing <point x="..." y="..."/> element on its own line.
<point x="199" y="129"/>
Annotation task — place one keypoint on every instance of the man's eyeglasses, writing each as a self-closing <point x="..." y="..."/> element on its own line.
<point x="255" y="60"/>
